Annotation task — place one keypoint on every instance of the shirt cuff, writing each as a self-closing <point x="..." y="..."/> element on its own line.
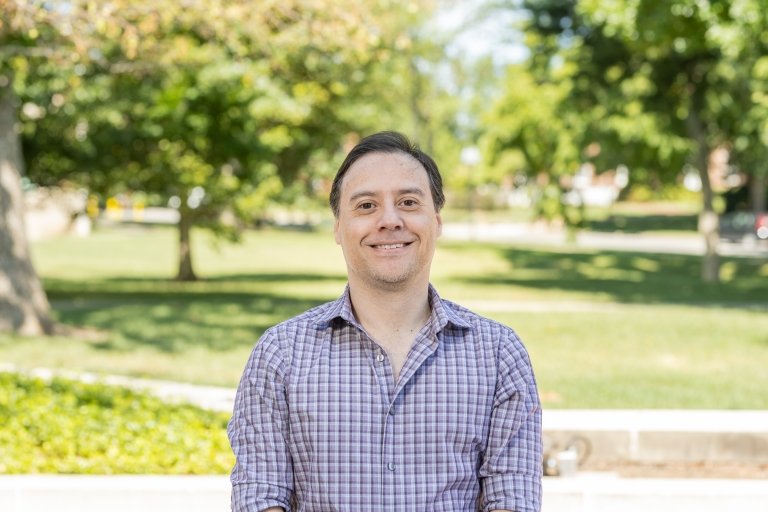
<point x="519" y="493"/>
<point x="254" y="497"/>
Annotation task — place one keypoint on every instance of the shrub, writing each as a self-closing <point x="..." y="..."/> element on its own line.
<point x="65" y="426"/>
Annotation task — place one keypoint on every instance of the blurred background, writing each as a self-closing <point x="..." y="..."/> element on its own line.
<point x="164" y="174"/>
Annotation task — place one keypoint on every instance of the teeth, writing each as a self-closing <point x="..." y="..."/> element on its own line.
<point x="391" y="246"/>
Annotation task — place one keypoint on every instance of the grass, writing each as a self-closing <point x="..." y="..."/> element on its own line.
<point x="604" y="329"/>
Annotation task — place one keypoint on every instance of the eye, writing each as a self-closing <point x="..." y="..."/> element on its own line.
<point x="365" y="206"/>
<point x="409" y="203"/>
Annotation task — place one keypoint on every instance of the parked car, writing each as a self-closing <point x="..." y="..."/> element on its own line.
<point x="744" y="226"/>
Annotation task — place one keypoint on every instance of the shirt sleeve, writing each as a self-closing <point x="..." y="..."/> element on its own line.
<point x="263" y="474"/>
<point x="511" y="469"/>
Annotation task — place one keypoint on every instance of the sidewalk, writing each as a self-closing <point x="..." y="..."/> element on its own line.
<point x="581" y="493"/>
<point x="601" y="492"/>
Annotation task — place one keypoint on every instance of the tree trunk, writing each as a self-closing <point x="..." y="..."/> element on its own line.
<point x="708" y="220"/>
<point x="708" y="227"/>
<point x="186" y="270"/>
<point x="24" y="307"/>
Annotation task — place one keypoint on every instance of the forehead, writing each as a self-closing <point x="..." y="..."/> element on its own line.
<point x="383" y="169"/>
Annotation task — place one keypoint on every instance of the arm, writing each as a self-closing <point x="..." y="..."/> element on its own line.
<point x="511" y="470"/>
<point x="262" y="479"/>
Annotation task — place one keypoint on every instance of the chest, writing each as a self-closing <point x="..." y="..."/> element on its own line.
<point x="349" y="384"/>
<point x="352" y="430"/>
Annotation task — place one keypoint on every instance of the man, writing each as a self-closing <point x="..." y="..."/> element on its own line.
<point x="389" y="398"/>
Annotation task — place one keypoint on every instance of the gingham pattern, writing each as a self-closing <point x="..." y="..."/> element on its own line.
<point x="320" y="426"/>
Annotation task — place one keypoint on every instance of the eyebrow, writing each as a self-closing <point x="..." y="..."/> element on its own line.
<point x="403" y="191"/>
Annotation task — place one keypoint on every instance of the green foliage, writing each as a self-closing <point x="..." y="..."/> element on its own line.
<point x="220" y="106"/>
<point x="684" y="63"/>
<point x="654" y="81"/>
<point x="527" y="120"/>
<point x="64" y="426"/>
<point x="531" y="133"/>
<point x="245" y="91"/>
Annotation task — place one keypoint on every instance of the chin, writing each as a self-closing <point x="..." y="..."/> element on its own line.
<point x="390" y="280"/>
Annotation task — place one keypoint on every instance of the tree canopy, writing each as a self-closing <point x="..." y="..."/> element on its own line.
<point x="658" y="85"/>
<point x="222" y="106"/>
<point x="218" y="104"/>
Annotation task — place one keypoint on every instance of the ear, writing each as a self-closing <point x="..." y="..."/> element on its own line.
<point x="336" y="234"/>
<point x="439" y="224"/>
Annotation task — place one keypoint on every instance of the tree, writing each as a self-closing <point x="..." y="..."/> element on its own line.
<point x="529" y="132"/>
<point x="745" y="47"/>
<point x="216" y="104"/>
<point x="690" y="55"/>
<point x="661" y="84"/>
<point x="24" y="307"/>
<point x="23" y="304"/>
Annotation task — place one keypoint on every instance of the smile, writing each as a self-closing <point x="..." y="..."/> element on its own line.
<point x="388" y="247"/>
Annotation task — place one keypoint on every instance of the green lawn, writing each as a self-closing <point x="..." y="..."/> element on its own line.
<point x="604" y="329"/>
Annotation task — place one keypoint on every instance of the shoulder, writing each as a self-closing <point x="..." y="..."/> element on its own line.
<point x="488" y="335"/>
<point x="298" y="334"/>
<point x="302" y="326"/>
<point x="478" y="325"/>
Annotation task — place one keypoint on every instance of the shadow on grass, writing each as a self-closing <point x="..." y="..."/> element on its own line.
<point x="631" y="277"/>
<point x="230" y="312"/>
<point x="218" y="315"/>
<point x="132" y="285"/>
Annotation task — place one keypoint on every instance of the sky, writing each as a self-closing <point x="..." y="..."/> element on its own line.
<point x="492" y="35"/>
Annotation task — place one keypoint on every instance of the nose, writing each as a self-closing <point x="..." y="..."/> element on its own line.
<point x="390" y="218"/>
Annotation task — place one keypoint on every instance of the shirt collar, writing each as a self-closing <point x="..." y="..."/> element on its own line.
<point x="441" y="314"/>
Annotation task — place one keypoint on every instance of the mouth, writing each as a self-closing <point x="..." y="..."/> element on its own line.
<point x="390" y="246"/>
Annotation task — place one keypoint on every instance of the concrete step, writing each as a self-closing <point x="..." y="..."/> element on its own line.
<point x="660" y="435"/>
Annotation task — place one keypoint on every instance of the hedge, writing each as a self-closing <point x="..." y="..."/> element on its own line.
<point x="70" y="427"/>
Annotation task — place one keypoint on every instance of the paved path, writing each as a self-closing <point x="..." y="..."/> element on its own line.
<point x="582" y="493"/>
<point x="527" y="234"/>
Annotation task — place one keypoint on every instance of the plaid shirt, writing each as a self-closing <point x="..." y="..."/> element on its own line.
<point x="319" y="424"/>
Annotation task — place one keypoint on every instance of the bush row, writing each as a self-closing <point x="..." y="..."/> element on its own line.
<point x="66" y="426"/>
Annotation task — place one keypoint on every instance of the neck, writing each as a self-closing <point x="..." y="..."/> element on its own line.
<point x="399" y="310"/>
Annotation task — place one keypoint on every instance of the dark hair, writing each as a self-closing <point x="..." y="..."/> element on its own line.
<point x="388" y="142"/>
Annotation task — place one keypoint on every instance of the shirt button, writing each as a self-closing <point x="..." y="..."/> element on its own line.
<point x="379" y="357"/>
<point x="391" y="466"/>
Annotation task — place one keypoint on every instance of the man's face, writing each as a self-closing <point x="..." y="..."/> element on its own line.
<point x="387" y="224"/>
